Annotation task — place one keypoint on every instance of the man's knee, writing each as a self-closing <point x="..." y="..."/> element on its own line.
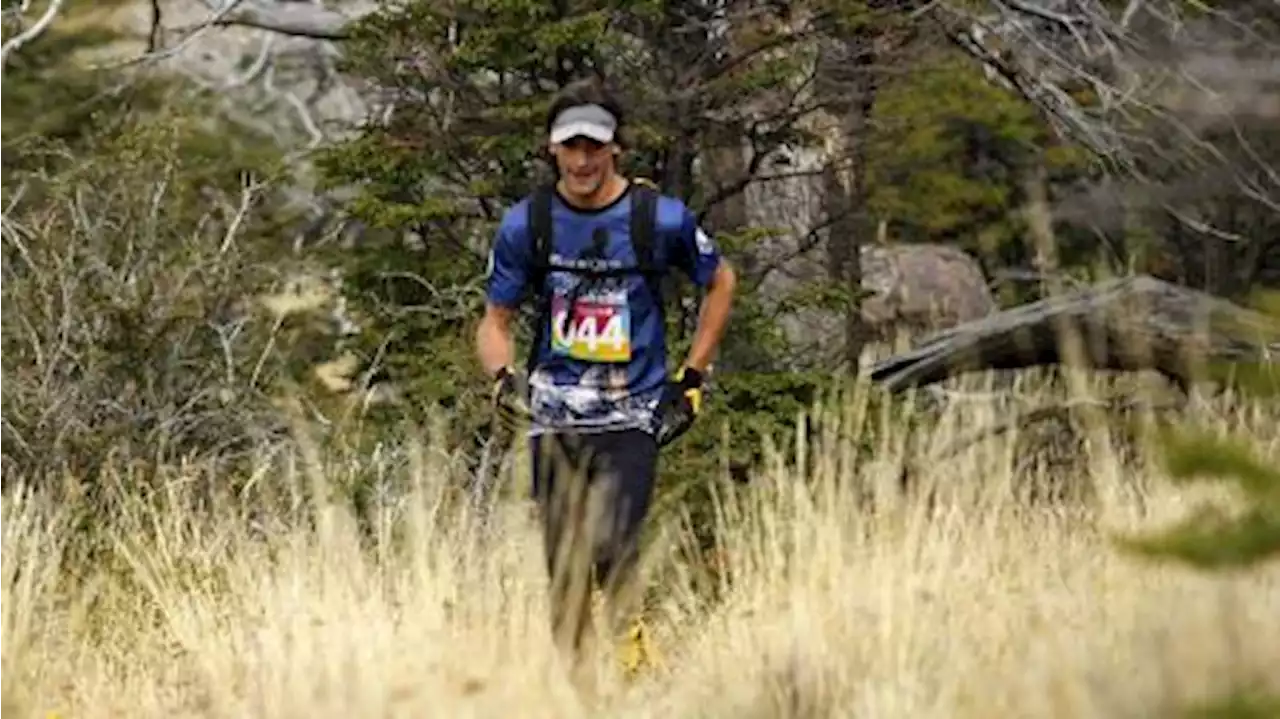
<point x="624" y="491"/>
<point x="595" y="495"/>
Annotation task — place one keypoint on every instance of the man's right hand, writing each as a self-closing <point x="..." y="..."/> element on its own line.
<point x="509" y="396"/>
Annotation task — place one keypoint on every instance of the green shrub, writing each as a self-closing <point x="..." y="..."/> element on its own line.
<point x="1215" y="538"/>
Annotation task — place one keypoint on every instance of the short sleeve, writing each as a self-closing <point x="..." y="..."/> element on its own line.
<point x="695" y="252"/>
<point x="509" y="258"/>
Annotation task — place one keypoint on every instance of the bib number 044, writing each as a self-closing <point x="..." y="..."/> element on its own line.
<point x="595" y="329"/>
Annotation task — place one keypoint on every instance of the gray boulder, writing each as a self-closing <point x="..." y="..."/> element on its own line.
<point x="916" y="289"/>
<point x="921" y="288"/>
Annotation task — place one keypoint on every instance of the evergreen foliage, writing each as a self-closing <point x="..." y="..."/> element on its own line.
<point x="467" y="87"/>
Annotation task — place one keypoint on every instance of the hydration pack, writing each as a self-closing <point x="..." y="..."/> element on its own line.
<point x="644" y="210"/>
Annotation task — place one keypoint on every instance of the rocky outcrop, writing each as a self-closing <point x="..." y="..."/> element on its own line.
<point x="922" y="288"/>
<point x="913" y="290"/>
<point x="268" y="63"/>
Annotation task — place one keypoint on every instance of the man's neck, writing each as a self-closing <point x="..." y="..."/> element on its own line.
<point x="609" y="191"/>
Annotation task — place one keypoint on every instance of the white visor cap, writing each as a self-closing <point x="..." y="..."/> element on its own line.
<point x="591" y="121"/>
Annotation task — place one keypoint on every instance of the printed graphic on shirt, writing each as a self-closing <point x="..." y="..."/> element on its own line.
<point x="705" y="245"/>
<point x="597" y="328"/>
<point x="602" y="398"/>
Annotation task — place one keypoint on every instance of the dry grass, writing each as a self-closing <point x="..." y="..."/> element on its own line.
<point x="979" y="607"/>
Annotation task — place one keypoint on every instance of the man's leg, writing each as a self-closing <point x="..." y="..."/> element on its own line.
<point x="560" y="488"/>
<point x="623" y="472"/>
<point x="594" y="491"/>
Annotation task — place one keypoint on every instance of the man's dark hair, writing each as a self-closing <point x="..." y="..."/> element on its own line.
<point x="587" y="91"/>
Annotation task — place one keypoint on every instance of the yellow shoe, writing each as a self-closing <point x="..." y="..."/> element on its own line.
<point x="637" y="650"/>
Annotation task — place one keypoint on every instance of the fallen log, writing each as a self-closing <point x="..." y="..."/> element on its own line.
<point x="1129" y="324"/>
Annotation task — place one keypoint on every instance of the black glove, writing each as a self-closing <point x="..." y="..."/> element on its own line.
<point x="509" y="396"/>
<point x="680" y="404"/>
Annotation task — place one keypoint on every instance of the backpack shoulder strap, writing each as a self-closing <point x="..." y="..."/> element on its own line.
<point x="540" y="230"/>
<point x="644" y="221"/>
<point x="541" y="237"/>
<point x="644" y="211"/>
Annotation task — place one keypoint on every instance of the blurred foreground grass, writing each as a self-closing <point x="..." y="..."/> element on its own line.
<point x="842" y="596"/>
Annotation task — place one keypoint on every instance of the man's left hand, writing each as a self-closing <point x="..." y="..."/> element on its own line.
<point x="680" y="405"/>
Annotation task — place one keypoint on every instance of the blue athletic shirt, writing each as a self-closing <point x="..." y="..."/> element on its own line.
<point x="603" y="365"/>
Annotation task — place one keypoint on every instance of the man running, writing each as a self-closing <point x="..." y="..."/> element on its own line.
<point x="591" y="250"/>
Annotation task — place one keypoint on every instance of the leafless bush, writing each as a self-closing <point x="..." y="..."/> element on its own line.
<point x="1179" y="98"/>
<point x="132" y="333"/>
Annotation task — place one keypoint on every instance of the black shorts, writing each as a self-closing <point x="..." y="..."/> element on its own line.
<point x="614" y="484"/>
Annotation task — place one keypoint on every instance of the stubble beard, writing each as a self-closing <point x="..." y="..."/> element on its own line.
<point x="595" y="193"/>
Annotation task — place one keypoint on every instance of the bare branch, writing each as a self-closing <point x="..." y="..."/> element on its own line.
<point x="1066" y="21"/>
<point x="258" y="67"/>
<point x="1129" y="12"/>
<point x="157" y="27"/>
<point x="247" y="195"/>
<point x="809" y="242"/>
<point x="293" y="19"/>
<point x="31" y="33"/>
<point x="1153" y="94"/>
<point x="1199" y="226"/>
<point x="309" y="122"/>
<point x="303" y="111"/>
<point x="1156" y="321"/>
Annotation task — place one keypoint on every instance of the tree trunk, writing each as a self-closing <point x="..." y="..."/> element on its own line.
<point x="1044" y="245"/>
<point x="847" y="84"/>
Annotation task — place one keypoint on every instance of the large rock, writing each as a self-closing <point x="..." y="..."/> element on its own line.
<point x="916" y="287"/>
<point x="921" y="288"/>
<point x="285" y="86"/>
<point x="915" y="290"/>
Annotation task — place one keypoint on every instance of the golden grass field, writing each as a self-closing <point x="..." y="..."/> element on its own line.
<point x="981" y="606"/>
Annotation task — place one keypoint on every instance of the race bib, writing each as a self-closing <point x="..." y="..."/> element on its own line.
<point x="596" y="329"/>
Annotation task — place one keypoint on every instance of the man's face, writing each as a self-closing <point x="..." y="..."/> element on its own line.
<point x="585" y="164"/>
